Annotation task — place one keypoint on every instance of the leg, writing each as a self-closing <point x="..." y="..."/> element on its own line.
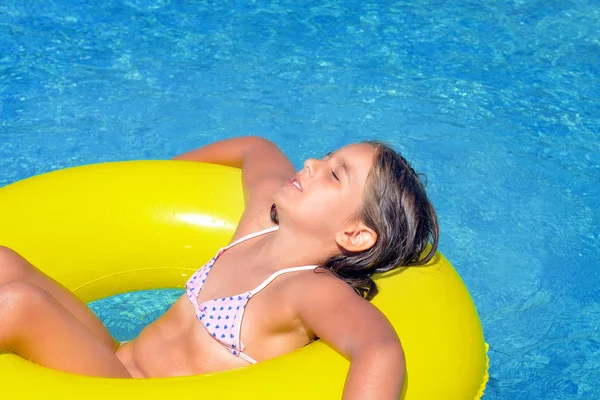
<point x="35" y="326"/>
<point x="14" y="268"/>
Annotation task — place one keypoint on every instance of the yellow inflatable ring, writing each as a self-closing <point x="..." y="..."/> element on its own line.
<point x="116" y="227"/>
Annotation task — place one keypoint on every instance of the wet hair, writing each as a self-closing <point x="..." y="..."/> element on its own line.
<point x="397" y="208"/>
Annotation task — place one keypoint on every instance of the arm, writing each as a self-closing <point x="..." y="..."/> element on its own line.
<point x="360" y="332"/>
<point x="261" y="161"/>
<point x="264" y="170"/>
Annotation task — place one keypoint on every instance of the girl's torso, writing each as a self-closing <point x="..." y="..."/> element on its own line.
<point x="179" y="343"/>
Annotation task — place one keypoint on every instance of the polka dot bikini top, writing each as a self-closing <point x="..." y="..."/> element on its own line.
<point x="222" y="317"/>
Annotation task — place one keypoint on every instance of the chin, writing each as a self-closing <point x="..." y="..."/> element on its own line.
<point x="279" y="196"/>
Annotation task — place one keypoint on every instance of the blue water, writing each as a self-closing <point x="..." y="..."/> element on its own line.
<point x="496" y="101"/>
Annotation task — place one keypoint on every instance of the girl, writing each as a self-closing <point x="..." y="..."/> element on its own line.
<point x="303" y="253"/>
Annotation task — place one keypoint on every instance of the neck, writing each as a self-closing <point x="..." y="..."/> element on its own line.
<point x="289" y="248"/>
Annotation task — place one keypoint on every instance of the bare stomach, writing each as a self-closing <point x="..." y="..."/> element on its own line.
<point x="175" y="345"/>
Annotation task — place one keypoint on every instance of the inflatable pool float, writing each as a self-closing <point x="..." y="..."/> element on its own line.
<point x="116" y="227"/>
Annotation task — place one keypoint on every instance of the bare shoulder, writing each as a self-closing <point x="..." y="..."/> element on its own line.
<point x="331" y="309"/>
<point x="321" y="283"/>
<point x="322" y="290"/>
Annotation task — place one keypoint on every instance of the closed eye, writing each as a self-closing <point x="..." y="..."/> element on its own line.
<point x="335" y="175"/>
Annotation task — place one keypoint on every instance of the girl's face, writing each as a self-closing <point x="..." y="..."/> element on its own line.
<point x="323" y="196"/>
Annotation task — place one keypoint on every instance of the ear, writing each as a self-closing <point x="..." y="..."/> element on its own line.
<point x="356" y="237"/>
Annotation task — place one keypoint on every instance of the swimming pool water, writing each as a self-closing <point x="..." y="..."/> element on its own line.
<point x="496" y="101"/>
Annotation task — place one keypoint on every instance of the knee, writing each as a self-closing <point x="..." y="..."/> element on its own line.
<point x="7" y="253"/>
<point x="18" y="300"/>
<point x="13" y="267"/>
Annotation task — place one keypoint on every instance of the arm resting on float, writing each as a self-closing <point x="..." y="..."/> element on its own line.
<point x="231" y="152"/>
<point x="264" y="166"/>
<point x="360" y="332"/>
<point x="376" y="371"/>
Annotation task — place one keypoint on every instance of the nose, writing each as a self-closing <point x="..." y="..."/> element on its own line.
<point x="310" y="165"/>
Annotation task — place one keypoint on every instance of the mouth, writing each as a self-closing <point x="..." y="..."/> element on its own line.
<point x="296" y="183"/>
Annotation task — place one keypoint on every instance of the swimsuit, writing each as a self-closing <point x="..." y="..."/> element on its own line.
<point x="222" y="317"/>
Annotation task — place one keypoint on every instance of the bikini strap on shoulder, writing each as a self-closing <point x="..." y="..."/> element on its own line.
<point x="248" y="237"/>
<point x="274" y="275"/>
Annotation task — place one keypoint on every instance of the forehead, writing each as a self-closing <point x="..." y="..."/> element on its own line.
<point x="357" y="158"/>
<point x="356" y="153"/>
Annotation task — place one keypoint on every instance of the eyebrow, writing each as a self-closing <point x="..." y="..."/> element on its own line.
<point x="342" y="164"/>
<point x="346" y="168"/>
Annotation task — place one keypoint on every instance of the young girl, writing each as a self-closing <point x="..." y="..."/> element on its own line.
<point x="298" y="269"/>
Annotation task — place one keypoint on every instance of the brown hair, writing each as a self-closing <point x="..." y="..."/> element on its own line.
<point x="397" y="208"/>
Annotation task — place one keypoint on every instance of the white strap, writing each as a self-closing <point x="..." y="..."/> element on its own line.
<point x="247" y="358"/>
<point x="281" y="272"/>
<point x="251" y="236"/>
